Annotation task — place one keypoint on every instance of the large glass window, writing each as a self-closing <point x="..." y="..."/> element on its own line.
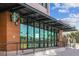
<point x="36" y="37"/>
<point x="30" y="37"/>
<point x="41" y="37"/>
<point x="49" y="38"/>
<point x="53" y="38"/>
<point x="55" y="35"/>
<point x="45" y="38"/>
<point x="23" y="36"/>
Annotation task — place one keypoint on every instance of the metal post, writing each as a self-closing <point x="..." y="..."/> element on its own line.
<point x="27" y="30"/>
<point x="54" y="37"/>
<point x="39" y="33"/>
<point x="43" y="36"/>
<point x="34" y="37"/>
<point x="47" y="36"/>
<point x="51" y="36"/>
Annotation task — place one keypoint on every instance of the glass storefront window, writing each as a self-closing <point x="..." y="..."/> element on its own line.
<point x="23" y="36"/>
<point x="52" y="39"/>
<point x="36" y="37"/>
<point x="49" y="38"/>
<point x="55" y="35"/>
<point x="41" y="37"/>
<point x="45" y="38"/>
<point x="30" y="37"/>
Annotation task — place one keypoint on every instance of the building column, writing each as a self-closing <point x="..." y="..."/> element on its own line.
<point x="3" y="17"/>
<point x="9" y="33"/>
<point x="60" y="42"/>
<point x="13" y="34"/>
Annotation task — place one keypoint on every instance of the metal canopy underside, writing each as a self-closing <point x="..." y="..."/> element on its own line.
<point x="28" y="11"/>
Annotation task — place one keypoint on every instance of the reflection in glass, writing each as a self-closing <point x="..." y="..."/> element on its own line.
<point x="41" y="37"/>
<point x="49" y="35"/>
<point x="36" y="37"/>
<point x="33" y="41"/>
<point x="23" y="36"/>
<point x="52" y="39"/>
<point x="30" y="37"/>
<point x="45" y="38"/>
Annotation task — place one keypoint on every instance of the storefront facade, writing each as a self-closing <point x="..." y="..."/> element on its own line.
<point x="29" y="26"/>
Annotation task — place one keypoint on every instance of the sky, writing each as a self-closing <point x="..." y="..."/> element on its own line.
<point x="66" y="12"/>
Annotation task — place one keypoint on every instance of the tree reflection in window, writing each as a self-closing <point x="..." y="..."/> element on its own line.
<point x="36" y="37"/>
<point x="30" y="37"/>
<point x="23" y="36"/>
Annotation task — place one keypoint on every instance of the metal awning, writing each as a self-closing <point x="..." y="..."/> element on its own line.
<point x="49" y="20"/>
<point x="26" y="10"/>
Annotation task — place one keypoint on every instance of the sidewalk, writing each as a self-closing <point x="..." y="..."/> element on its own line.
<point x="57" y="52"/>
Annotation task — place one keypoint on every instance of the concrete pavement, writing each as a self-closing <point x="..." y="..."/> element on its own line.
<point x="57" y="52"/>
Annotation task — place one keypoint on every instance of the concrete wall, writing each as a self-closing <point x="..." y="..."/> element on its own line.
<point x="60" y="41"/>
<point x="39" y="7"/>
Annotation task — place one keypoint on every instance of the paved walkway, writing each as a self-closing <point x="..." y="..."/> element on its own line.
<point x="58" y="52"/>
